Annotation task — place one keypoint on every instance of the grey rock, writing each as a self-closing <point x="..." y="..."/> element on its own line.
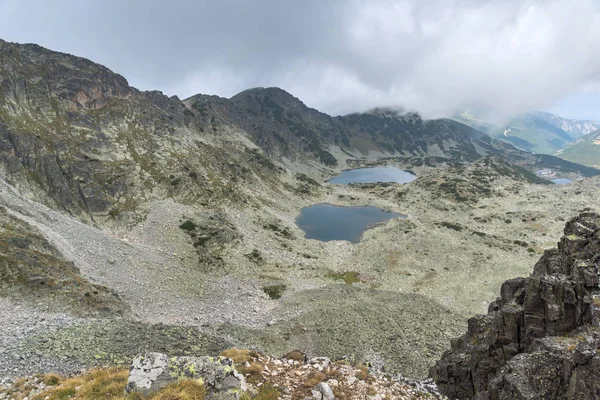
<point x="153" y="371"/>
<point x="325" y="390"/>
<point x="539" y="339"/>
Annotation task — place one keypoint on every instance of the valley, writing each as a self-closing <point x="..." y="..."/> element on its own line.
<point x="171" y="225"/>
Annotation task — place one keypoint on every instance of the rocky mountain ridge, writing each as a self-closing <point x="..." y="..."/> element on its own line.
<point x="186" y="211"/>
<point x="540" y="338"/>
<point x="76" y="136"/>
<point x="574" y="127"/>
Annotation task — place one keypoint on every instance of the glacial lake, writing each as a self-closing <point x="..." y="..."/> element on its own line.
<point x="561" y="181"/>
<point x="373" y="175"/>
<point x="327" y="222"/>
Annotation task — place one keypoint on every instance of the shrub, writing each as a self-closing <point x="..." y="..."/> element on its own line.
<point x="313" y="379"/>
<point x="363" y="372"/>
<point x="274" y="291"/>
<point x="267" y="392"/>
<point x="52" y="379"/>
<point x="238" y="355"/>
<point x="295" y="355"/>
<point x="188" y="226"/>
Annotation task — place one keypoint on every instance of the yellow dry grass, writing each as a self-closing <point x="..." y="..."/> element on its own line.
<point x="109" y="383"/>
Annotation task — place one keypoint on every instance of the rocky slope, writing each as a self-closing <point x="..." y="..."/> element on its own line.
<point x="540" y="338"/>
<point x="76" y="136"/>
<point x="186" y="210"/>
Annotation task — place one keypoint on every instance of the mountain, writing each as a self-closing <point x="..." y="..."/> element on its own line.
<point x="169" y="225"/>
<point x="530" y="132"/>
<point x="76" y="135"/>
<point x="575" y="128"/>
<point x="584" y="151"/>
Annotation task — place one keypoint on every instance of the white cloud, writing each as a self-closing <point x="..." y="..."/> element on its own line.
<point x="435" y="56"/>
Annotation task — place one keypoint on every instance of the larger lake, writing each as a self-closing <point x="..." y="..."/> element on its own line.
<point x="373" y="175"/>
<point x="326" y="222"/>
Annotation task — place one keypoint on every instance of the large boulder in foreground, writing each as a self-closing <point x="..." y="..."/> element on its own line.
<point x="541" y="337"/>
<point x="153" y="371"/>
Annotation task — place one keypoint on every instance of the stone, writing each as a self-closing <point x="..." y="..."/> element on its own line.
<point x="539" y="339"/>
<point x="153" y="371"/>
<point x="325" y="390"/>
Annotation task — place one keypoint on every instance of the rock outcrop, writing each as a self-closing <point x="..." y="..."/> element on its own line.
<point x="153" y="371"/>
<point x="541" y="337"/>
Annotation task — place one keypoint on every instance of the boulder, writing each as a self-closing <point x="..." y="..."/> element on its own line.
<point x="153" y="371"/>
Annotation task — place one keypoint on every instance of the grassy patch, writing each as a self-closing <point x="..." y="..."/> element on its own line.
<point x="109" y="383"/>
<point x="349" y="277"/>
<point x="274" y="291"/>
<point x="238" y="355"/>
<point x="255" y="256"/>
<point x="313" y="379"/>
<point x="267" y="392"/>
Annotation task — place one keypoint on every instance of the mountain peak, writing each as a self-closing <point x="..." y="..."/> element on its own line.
<point x="273" y="94"/>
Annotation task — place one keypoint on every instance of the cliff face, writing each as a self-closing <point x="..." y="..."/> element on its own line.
<point x="541" y="337"/>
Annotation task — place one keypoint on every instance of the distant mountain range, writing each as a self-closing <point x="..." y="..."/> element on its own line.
<point x="585" y="150"/>
<point x="537" y="131"/>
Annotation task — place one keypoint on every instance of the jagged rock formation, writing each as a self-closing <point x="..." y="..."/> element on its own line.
<point x="540" y="339"/>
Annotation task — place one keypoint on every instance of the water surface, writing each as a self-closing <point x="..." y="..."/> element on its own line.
<point x="373" y="175"/>
<point x="327" y="222"/>
<point x="561" y="181"/>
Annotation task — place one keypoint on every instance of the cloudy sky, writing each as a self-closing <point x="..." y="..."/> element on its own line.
<point x="437" y="57"/>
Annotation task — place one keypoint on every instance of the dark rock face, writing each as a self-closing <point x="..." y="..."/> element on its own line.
<point x="540" y="338"/>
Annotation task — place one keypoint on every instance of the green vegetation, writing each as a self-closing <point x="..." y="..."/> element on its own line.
<point x="275" y="291"/>
<point x="285" y="232"/>
<point x="349" y="277"/>
<point x="585" y="151"/>
<point x="109" y="384"/>
<point x="267" y="392"/>
<point x="255" y="256"/>
<point x="451" y="225"/>
<point x="239" y="355"/>
<point x="188" y="226"/>
<point x="528" y="131"/>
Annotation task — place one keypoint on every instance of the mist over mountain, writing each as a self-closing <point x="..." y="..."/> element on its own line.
<point x="437" y="58"/>
<point x="267" y="200"/>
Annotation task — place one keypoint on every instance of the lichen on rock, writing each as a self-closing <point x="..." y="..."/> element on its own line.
<point x="153" y="371"/>
<point x="540" y="338"/>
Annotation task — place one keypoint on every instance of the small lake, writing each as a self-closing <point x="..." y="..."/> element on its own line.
<point x="373" y="175"/>
<point x="561" y="181"/>
<point x="327" y="222"/>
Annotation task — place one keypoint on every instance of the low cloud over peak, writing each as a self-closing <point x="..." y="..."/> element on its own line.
<point x="437" y="57"/>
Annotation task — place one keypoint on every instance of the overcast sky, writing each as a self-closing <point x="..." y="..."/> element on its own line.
<point x="437" y="57"/>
